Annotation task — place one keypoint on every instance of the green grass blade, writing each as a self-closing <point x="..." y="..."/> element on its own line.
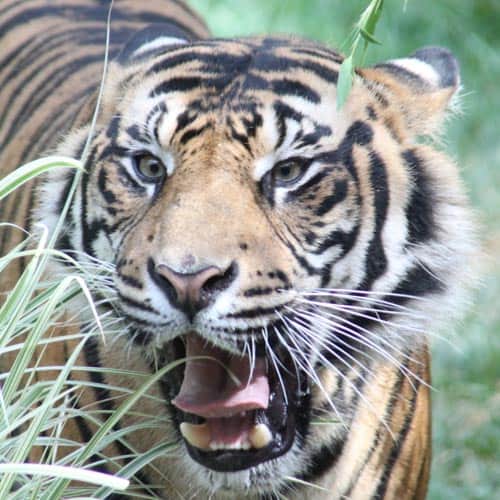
<point x="33" y="169"/>
<point x="71" y="473"/>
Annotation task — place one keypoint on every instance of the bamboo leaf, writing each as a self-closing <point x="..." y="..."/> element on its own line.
<point x="344" y="82"/>
<point x="369" y="37"/>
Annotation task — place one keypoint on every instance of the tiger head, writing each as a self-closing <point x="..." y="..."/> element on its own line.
<point x="265" y="233"/>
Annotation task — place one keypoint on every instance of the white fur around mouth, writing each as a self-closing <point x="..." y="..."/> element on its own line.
<point x="198" y="435"/>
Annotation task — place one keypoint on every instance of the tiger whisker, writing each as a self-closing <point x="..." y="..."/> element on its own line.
<point x="299" y="350"/>
<point x="354" y="335"/>
<point x="359" y="314"/>
<point x="309" y="369"/>
<point x="360" y="294"/>
<point x="285" y="344"/>
<point x="341" y="325"/>
<point x="252" y="358"/>
<point x="275" y="361"/>
<point x="328" y="364"/>
<point x="329" y="345"/>
<point x="349" y="307"/>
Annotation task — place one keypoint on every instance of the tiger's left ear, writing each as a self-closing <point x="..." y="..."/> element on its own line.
<point x="422" y="86"/>
<point x="152" y="40"/>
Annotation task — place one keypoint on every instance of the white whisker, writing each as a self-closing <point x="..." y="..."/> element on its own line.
<point x="328" y="364"/>
<point x="354" y="334"/>
<point x="310" y="370"/>
<point x="275" y="360"/>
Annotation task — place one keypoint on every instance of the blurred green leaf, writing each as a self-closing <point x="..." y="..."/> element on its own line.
<point x="369" y="37"/>
<point x="344" y="83"/>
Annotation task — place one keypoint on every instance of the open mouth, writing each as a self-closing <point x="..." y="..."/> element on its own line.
<point x="233" y="412"/>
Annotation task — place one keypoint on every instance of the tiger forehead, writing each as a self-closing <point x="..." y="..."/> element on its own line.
<point x="253" y="62"/>
<point x="237" y="89"/>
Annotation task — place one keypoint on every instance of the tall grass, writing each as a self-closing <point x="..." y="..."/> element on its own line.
<point x="32" y="408"/>
<point x="35" y="409"/>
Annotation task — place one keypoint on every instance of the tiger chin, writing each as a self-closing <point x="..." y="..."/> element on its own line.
<point x="291" y="256"/>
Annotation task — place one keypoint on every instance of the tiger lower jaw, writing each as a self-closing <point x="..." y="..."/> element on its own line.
<point x="229" y="427"/>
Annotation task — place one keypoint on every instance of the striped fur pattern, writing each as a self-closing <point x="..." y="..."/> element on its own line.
<point x="344" y="239"/>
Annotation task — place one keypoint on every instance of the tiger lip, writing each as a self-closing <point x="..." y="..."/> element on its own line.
<point x="234" y="427"/>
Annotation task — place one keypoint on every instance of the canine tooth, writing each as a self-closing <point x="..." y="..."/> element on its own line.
<point x="196" y="435"/>
<point x="260" y="436"/>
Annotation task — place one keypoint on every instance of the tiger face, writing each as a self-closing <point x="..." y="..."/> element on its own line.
<point x="266" y="235"/>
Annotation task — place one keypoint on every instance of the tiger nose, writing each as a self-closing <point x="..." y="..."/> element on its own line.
<point x="192" y="292"/>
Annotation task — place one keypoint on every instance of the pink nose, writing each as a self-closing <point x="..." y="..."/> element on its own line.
<point x="191" y="292"/>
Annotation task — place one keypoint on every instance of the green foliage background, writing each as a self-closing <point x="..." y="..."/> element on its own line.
<point x="466" y="462"/>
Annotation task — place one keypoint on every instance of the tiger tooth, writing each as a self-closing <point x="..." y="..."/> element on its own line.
<point x="260" y="436"/>
<point x="196" y="435"/>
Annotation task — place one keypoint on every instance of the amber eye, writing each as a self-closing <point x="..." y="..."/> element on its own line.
<point x="287" y="171"/>
<point x="149" y="168"/>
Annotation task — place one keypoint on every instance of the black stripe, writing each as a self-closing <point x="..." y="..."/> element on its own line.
<point x="130" y="281"/>
<point x="44" y="89"/>
<point x="129" y="182"/>
<point x="88" y="233"/>
<point x="290" y="87"/>
<point x="18" y="95"/>
<point x="265" y="61"/>
<point x="284" y="111"/>
<point x="236" y="136"/>
<point x="195" y="132"/>
<point x="252" y="292"/>
<point x="69" y="14"/>
<point x="402" y="74"/>
<point x="179" y="84"/>
<point x="46" y="45"/>
<point x="253" y="313"/>
<point x="339" y="194"/>
<point x="323" y="460"/>
<point x="102" y="182"/>
<point x="46" y="135"/>
<point x="418" y="281"/>
<point x="420" y="208"/>
<point x="397" y="446"/>
<point x="320" y="52"/>
<point x="137" y="305"/>
<point x="376" y="260"/>
<point x="381" y="429"/>
<point x="176" y="57"/>
<point x="345" y="240"/>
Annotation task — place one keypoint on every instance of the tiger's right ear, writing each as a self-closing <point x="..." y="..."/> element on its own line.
<point x="421" y="86"/>
<point x="152" y="40"/>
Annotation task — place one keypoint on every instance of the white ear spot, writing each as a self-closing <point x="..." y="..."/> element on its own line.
<point x="419" y="68"/>
<point x="157" y="44"/>
<point x="434" y="67"/>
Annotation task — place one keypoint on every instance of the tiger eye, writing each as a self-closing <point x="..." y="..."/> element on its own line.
<point x="149" y="168"/>
<point x="287" y="172"/>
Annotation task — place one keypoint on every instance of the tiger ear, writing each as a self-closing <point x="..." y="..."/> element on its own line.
<point x="152" y="40"/>
<point x="422" y="86"/>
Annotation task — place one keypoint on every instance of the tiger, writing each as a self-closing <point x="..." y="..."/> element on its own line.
<point x="291" y="255"/>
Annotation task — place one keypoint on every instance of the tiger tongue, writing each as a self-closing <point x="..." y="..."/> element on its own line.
<point x="209" y="389"/>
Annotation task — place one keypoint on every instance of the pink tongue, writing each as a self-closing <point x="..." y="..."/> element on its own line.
<point x="208" y="389"/>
